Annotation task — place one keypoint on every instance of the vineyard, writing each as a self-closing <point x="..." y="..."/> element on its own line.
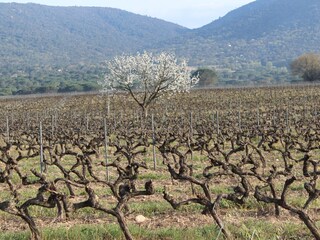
<point x="210" y="164"/>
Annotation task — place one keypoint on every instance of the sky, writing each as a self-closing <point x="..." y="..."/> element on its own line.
<point x="187" y="13"/>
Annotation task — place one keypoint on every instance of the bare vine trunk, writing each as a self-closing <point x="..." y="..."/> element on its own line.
<point x="224" y="230"/>
<point x="310" y="224"/>
<point x="123" y="225"/>
<point x="35" y="234"/>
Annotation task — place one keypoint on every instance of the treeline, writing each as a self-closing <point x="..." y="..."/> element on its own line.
<point x="47" y="79"/>
<point x="255" y="73"/>
<point x="85" y="77"/>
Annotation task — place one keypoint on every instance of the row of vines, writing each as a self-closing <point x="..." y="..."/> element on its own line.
<point x="69" y="153"/>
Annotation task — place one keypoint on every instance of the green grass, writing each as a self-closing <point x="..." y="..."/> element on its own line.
<point x="112" y="231"/>
<point x="154" y="176"/>
<point x="15" y="236"/>
<point x="150" y="208"/>
<point x="154" y="208"/>
<point x="260" y="229"/>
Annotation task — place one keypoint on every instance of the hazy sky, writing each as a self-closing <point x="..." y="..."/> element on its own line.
<point x="188" y="13"/>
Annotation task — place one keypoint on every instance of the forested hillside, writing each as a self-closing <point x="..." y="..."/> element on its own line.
<point x="64" y="35"/>
<point x="62" y="48"/>
<point x="264" y="30"/>
<point x="46" y="48"/>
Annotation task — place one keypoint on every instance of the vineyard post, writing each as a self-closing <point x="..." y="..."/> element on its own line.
<point x="239" y="120"/>
<point x="153" y="143"/>
<point x="106" y="146"/>
<point x="164" y="118"/>
<point x="27" y="117"/>
<point x="12" y="118"/>
<point x="191" y="133"/>
<point x="108" y="106"/>
<point x="114" y="121"/>
<point x="287" y="120"/>
<point x="137" y="116"/>
<point x="213" y="120"/>
<point x="52" y="126"/>
<point x="8" y="130"/>
<point x="41" y="148"/>
<point x="273" y="117"/>
<point x="218" y="127"/>
<point x="87" y="123"/>
<point x="55" y="118"/>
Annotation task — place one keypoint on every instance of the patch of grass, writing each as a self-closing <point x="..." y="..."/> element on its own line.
<point x="297" y="187"/>
<point x="36" y="211"/>
<point x="264" y="229"/>
<point x="154" y="176"/>
<point x="152" y="208"/>
<point x="219" y="189"/>
<point x="79" y="232"/>
<point x="88" y="213"/>
<point x="251" y="229"/>
<point x="25" y="235"/>
<point x="112" y="231"/>
<point x="206" y="232"/>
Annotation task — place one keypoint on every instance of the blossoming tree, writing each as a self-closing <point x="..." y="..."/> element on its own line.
<point x="147" y="77"/>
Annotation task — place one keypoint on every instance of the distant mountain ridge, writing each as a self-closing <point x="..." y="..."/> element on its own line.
<point x="44" y="46"/>
<point x="262" y="17"/>
<point x="264" y="30"/>
<point x="261" y="30"/>
<point x="71" y="34"/>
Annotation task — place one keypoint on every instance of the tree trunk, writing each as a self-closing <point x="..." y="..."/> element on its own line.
<point x="145" y="111"/>
<point x="123" y="226"/>
<point x="144" y="116"/>
<point x="216" y="218"/>
<point x="35" y="234"/>
<point x="310" y="224"/>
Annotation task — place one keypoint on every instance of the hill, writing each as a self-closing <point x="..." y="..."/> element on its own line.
<point x="264" y="17"/>
<point x="255" y="43"/>
<point x="264" y="30"/>
<point x="66" y="35"/>
<point x="46" y="48"/>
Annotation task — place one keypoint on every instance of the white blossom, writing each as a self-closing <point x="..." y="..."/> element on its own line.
<point x="147" y="76"/>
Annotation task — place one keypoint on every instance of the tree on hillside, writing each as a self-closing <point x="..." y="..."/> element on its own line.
<point x="307" y="67"/>
<point x="147" y="77"/>
<point x="207" y="77"/>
